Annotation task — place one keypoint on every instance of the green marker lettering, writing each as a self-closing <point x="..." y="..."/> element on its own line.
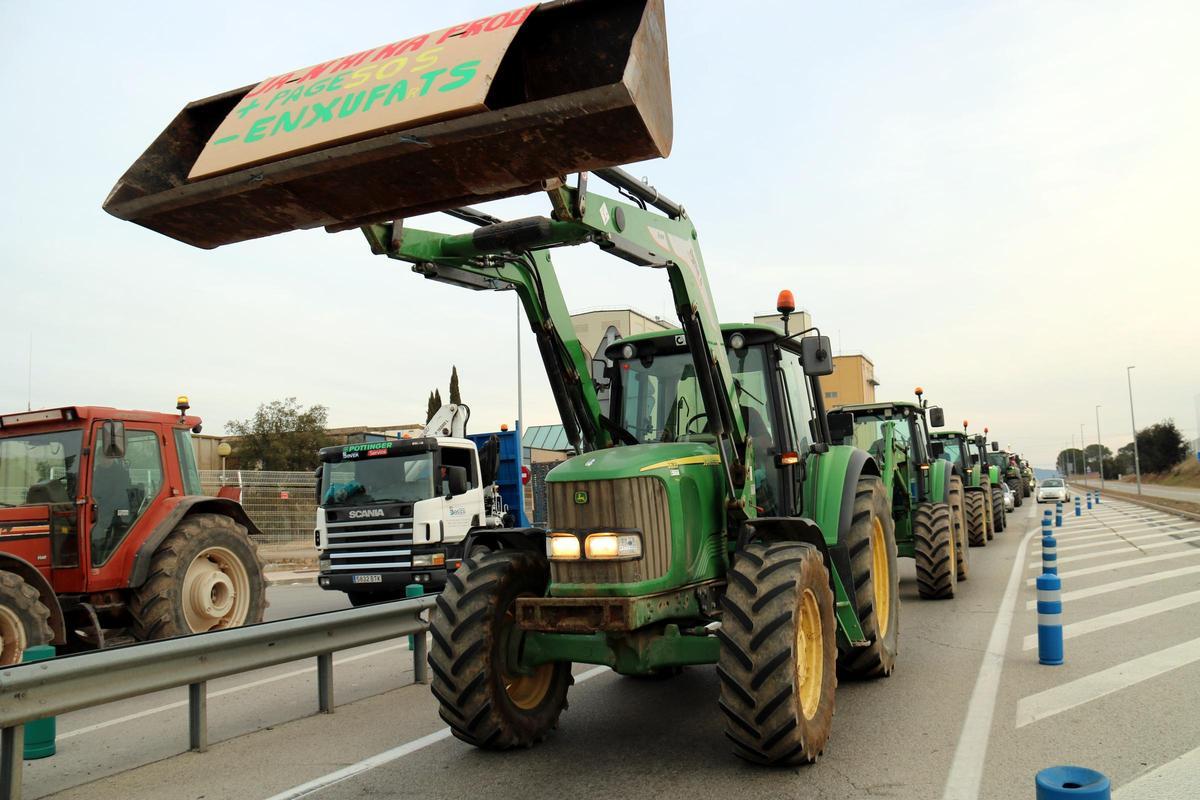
<point x="464" y="72"/>
<point x="287" y="123"/>
<point x="295" y="95"/>
<point x="398" y="93"/>
<point x="429" y="78"/>
<point x="246" y="109"/>
<point x="350" y="107"/>
<point x="277" y="96"/>
<point x="258" y="129"/>
<point x="377" y="92"/>
<point x="336" y="83"/>
<point x="323" y="112"/>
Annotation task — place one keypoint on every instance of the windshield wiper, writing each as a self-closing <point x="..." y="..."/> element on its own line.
<point x="9" y="505"/>
<point x="737" y="384"/>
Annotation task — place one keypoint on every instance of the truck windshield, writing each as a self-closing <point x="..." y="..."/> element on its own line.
<point x="394" y="479"/>
<point x="38" y="468"/>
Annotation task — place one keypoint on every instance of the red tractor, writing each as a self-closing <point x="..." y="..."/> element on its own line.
<point x="105" y="536"/>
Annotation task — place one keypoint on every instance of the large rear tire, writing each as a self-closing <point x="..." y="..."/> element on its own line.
<point x="958" y="516"/>
<point x="778" y="654"/>
<point x="24" y="619"/>
<point x="486" y="700"/>
<point x="1015" y="485"/>
<point x="977" y="531"/>
<point x="998" y="512"/>
<point x="871" y="543"/>
<point x="204" y="576"/>
<point x="933" y="540"/>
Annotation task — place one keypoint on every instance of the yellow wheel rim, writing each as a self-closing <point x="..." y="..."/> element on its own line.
<point x="810" y="654"/>
<point x="880" y="578"/>
<point x="525" y="691"/>
<point x="216" y="591"/>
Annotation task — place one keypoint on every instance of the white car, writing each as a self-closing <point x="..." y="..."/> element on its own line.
<point x="1010" y="499"/>
<point x="1053" y="490"/>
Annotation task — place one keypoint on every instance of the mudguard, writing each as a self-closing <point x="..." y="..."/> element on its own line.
<point x="532" y="539"/>
<point x="183" y="506"/>
<point x="939" y="481"/>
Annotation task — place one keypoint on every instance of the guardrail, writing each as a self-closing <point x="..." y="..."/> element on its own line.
<point x="48" y="688"/>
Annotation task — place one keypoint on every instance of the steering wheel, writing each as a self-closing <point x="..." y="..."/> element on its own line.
<point x="687" y="429"/>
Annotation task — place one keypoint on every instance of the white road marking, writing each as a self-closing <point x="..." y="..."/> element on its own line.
<point x="1127" y="583"/>
<point x="1129" y="562"/>
<point x="1092" y="533"/>
<point x="966" y="770"/>
<point x="1127" y="550"/>
<point x="1101" y="539"/>
<point x="1099" y="684"/>
<point x="388" y="756"/>
<point x="1121" y="617"/>
<point x="1179" y="777"/>
<point x="211" y="695"/>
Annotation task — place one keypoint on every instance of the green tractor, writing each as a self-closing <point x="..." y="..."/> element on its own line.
<point x="706" y="517"/>
<point x="1004" y="468"/>
<point x="978" y="500"/>
<point x="925" y="492"/>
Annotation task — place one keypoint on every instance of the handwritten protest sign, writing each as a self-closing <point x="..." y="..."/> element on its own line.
<point x="436" y="75"/>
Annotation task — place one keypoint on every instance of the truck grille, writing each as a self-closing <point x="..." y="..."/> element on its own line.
<point x="378" y="545"/>
<point x="623" y="503"/>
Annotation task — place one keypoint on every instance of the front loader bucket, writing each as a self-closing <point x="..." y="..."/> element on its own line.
<point x="582" y="85"/>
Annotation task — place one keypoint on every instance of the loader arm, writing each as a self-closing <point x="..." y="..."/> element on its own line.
<point x="513" y="254"/>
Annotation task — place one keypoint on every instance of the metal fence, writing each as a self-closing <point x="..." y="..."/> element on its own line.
<point x="282" y="504"/>
<point x="49" y="688"/>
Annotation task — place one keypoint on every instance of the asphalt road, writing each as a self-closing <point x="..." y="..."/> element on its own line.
<point x="968" y="713"/>
<point x="1184" y="493"/>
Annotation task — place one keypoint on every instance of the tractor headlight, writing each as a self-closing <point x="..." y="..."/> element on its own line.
<point x="613" y="545"/>
<point x="562" y="546"/>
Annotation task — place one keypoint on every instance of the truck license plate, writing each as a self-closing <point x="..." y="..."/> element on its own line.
<point x="366" y="579"/>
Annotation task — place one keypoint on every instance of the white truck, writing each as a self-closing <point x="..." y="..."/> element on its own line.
<point x="398" y="512"/>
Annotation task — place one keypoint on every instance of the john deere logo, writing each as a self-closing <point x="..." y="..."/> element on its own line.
<point x="581" y="498"/>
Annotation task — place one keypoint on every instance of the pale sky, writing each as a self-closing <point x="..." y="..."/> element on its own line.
<point x="997" y="201"/>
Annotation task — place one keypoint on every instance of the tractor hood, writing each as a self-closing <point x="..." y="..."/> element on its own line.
<point x="666" y="459"/>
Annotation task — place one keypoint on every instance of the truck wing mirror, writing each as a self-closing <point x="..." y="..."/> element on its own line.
<point x="456" y="480"/>
<point x="816" y="355"/>
<point x="937" y="417"/>
<point x="112" y="439"/>
<point x="995" y="447"/>
<point x="317" y="473"/>
<point x="600" y="372"/>
<point x="841" y="426"/>
<point x="980" y="440"/>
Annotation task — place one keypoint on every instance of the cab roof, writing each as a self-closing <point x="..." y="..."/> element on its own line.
<point x="69" y="414"/>
<point x="726" y="327"/>
<point x="884" y="404"/>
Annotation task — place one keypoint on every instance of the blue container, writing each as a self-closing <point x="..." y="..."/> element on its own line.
<point x="1072" y="783"/>
<point x="508" y="476"/>
<point x="1049" y="611"/>
<point x="39" y="734"/>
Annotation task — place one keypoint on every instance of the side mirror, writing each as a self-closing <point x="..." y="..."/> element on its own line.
<point x="112" y="439"/>
<point x="317" y="473"/>
<point x="456" y="478"/>
<point x="599" y="368"/>
<point x="995" y="447"/>
<point x="841" y="426"/>
<point x="937" y="417"/>
<point x="816" y="355"/>
<point x="937" y="449"/>
<point x="980" y="440"/>
<point x="974" y="459"/>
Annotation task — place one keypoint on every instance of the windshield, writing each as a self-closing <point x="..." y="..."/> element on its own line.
<point x="869" y="426"/>
<point x="953" y="451"/>
<point x="40" y="468"/>
<point x="1052" y="483"/>
<point x="395" y="479"/>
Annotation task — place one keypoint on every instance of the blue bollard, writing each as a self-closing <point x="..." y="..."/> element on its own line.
<point x="1077" y="511"/>
<point x="413" y="590"/>
<point x="1049" y="622"/>
<point x="1097" y="497"/>
<point x="1049" y="553"/>
<point x="1058" y="514"/>
<point x="1089" y="501"/>
<point x="1046" y="525"/>
<point x="1072" y="783"/>
<point x="40" y="733"/>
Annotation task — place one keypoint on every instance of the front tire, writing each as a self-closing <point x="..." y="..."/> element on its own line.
<point x="933" y="539"/>
<point x="204" y="576"/>
<point x="486" y="700"/>
<point x="1015" y="485"/>
<point x="871" y="543"/>
<point x="24" y="619"/>
<point x="958" y="515"/>
<point x="778" y="654"/>
<point x="998" y="511"/>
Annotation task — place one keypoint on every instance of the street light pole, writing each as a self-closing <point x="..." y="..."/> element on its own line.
<point x="1083" y="451"/>
<point x="1137" y="467"/>
<point x="1099" y="448"/>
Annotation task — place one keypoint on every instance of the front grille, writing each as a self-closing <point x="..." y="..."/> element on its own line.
<point x="380" y="545"/>
<point x="623" y="503"/>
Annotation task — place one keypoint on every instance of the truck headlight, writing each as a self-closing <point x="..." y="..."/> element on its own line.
<point x="562" y="546"/>
<point x="324" y="564"/>
<point x="613" y="545"/>
<point x="429" y="560"/>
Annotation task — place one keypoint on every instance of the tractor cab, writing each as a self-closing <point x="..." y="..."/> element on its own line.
<point x="897" y="429"/>
<point x="657" y="399"/>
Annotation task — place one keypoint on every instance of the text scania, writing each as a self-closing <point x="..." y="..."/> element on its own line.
<point x="366" y="513"/>
<point x="291" y="110"/>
